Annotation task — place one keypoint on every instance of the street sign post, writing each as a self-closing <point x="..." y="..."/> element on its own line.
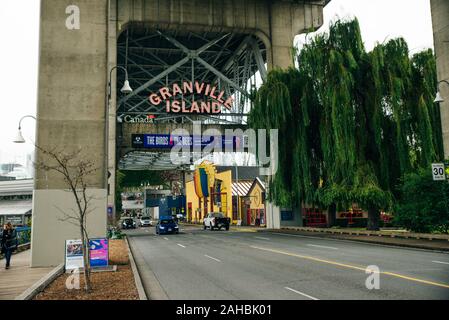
<point x="438" y="172"/>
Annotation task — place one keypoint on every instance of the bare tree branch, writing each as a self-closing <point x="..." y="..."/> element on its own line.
<point x="74" y="170"/>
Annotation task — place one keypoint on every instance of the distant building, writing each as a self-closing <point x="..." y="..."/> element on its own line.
<point x="16" y="201"/>
<point x="238" y="192"/>
<point x="15" y="171"/>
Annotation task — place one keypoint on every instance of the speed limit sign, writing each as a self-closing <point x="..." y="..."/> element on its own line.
<point x="438" y="172"/>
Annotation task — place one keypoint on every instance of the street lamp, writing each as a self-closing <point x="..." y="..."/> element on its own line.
<point x="19" y="137"/>
<point x="126" y="89"/>
<point x="438" y="97"/>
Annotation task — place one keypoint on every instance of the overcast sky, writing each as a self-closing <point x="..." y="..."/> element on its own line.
<point x="19" y="33"/>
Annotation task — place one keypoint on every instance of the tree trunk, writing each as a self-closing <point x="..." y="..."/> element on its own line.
<point x="373" y="219"/>
<point x="297" y="211"/>
<point x="87" y="284"/>
<point x="332" y="215"/>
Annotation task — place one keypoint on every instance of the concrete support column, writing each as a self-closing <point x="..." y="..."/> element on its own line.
<point x="70" y="117"/>
<point x="440" y="21"/>
<point x="286" y="20"/>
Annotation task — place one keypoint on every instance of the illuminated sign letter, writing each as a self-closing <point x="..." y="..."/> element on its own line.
<point x="188" y="87"/>
<point x="155" y="99"/>
<point x="176" y="89"/>
<point x="165" y="93"/>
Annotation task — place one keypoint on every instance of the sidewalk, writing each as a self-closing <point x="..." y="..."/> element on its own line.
<point x="403" y="239"/>
<point x="20" y="276"/>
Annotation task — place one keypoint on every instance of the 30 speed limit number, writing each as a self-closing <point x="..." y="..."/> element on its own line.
<point x="438" y="172"/>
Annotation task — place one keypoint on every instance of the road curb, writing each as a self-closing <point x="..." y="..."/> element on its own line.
<point x="150" y="284"/>
<point x="384" y="233"/>
<point x="41" y="284"/>
<point x="137" y="279"/>
<point x="381" y="243"/>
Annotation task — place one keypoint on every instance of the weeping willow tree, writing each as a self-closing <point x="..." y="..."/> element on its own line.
<point x="351" y="122"/>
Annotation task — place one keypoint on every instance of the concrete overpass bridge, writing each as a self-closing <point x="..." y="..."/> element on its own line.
<point x="227" y="46"/>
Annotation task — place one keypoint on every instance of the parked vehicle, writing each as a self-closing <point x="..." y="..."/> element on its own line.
<point x="216" y="220"/>
<point x="166" y="225"/>
<point x="180" y="217"/>
<point x="146" y="222"/>
<point x="128" y="223"/>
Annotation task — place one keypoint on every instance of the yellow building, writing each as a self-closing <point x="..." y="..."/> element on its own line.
<point x="237" y="192"/>
<point x="255" y="204"/>
<point x="220" y="199"/>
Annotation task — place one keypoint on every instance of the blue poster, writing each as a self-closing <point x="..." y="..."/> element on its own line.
<point x="99" y="252"/>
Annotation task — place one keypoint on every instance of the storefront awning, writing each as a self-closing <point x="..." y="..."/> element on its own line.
<point x="241" y="188"/>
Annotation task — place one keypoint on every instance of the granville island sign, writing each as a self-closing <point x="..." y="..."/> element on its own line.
<point x="212" y="103"/>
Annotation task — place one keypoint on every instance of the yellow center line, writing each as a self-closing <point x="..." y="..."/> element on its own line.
<point x="360" y="268"/>
<point x="242" y="230"/>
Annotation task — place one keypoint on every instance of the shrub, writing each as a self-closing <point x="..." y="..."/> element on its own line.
<point x="424" y="203"/>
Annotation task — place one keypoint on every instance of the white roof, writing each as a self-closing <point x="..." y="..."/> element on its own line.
<point x="15" y="207"/>
<point x="241" y="188"/>
<point x="261" y="183"/>
<point x="16" y="187"/>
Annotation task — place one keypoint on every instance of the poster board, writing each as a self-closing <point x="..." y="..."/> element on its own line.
<point x="99" y="252"/>
<point x="74" y="254"/>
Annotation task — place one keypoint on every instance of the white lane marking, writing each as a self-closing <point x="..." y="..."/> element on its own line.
<point x="324" y="247"/>
<point x="301" y="293"/>
<point x="212" y="258"/>
<point x="440" y="262"/>
<point x="262" y="238"/>
<point x="165" y="238"/>
<point x="180" y="245"/>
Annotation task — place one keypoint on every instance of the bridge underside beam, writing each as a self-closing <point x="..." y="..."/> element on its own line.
<point x="155" y="58"/>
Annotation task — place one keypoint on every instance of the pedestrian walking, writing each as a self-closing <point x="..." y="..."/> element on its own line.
<point x="9" y="242"/>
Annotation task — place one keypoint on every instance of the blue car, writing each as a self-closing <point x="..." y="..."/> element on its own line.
<point x="166" y="225"/>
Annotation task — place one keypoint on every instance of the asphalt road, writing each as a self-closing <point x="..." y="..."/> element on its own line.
<point x="202" y="264"/>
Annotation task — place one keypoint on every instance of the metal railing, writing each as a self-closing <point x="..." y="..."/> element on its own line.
<point x="23" y="235"/>
<point x="24" y="239"/>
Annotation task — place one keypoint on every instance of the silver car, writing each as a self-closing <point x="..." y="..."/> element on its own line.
<point x="146" y="222"/>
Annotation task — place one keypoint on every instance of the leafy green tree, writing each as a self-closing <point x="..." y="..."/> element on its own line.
<point x="424" y="205"/>
<point x="352" y="122"/>
<point x="135" y="178"/>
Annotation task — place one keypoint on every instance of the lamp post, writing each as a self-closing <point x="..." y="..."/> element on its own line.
<point x="19" y="137"/>
<point x="126" y="89"/>
<point x="438" y="97"/>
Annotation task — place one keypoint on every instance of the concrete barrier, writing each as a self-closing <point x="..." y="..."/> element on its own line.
<point x="137" y="279"/>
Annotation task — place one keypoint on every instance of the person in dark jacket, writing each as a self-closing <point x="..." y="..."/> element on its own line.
<point x="8" y="242"/>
